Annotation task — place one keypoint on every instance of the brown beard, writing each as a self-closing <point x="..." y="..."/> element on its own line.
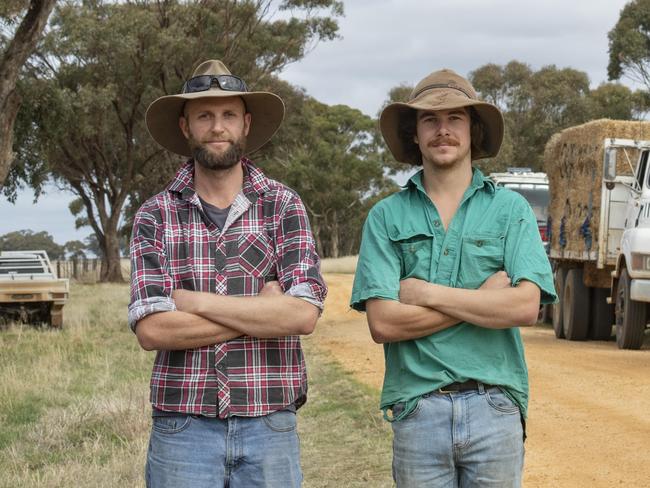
<point x="212" y="161"/>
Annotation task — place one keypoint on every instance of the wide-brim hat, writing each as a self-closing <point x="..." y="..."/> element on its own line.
<point x="266" y="109"/>
<point x="441" y="90"/>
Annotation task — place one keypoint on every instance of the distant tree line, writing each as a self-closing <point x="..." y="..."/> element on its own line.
<point x="28" y="240"/>
<point x="87" y="85"/>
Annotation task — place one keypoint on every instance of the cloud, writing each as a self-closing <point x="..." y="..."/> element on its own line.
<point x="386" y="42"/>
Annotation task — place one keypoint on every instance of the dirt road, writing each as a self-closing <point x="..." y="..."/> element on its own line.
<point x="589" y="415"/>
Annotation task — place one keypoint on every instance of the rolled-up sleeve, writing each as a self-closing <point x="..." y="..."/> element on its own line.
<point x="298" y="263"/>
<point x="151" y="284"/>
<point x="524" y="257"/>
<point x="379" y="265"/>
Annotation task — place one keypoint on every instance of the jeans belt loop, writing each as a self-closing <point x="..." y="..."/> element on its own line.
<point x="481" y="388"/>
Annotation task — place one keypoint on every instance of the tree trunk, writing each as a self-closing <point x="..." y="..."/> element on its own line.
<point x="13" y="58"/>
<point x="334" y="236"/>
<point x="111" y="268"/>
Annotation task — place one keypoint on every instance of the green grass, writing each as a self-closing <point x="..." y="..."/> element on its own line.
<point x="344" y="440"/>
<point x="74" y="406"/>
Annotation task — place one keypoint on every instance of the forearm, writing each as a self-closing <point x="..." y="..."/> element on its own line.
<point x="490" y="308"/>
<point x="257" y="316"/>
<point x="392" y="321"/>
<point x="180" y="330"/>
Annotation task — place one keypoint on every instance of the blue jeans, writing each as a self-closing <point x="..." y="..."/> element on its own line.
<point x="238" y="452"/>
<point x="465" y="439"/>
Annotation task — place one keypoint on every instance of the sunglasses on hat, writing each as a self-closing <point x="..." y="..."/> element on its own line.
<point x="205" y="82"/>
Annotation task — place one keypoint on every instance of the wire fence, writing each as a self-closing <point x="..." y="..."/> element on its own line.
<point x="85" y="270"/>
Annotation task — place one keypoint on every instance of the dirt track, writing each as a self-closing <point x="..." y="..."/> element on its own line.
<point x="589" y="415"/>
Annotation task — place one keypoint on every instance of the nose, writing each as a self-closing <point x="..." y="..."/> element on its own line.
<point x="442" y="127"/>
<point x="217" y="125"/>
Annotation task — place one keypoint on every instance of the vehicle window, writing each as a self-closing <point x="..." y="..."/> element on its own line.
<point x="537" y="196"/>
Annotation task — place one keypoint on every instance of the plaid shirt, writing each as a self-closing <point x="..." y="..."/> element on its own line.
<point x="174" y="246"/>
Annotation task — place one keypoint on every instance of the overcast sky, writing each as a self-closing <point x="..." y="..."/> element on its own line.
<point x="387" y="42"/>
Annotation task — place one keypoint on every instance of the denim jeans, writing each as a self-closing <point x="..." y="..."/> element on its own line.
<point x="465" y="439"/>
<point x="238" y="452"/>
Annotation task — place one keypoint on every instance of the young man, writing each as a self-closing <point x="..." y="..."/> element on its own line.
<point x="448" y="269"/>
<point x="225" y="278"/>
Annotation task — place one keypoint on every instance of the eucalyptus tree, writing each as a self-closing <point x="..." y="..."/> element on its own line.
<point x="101" y="65"/>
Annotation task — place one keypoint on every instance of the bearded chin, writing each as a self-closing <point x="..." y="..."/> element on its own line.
<point x="209" y="160"/>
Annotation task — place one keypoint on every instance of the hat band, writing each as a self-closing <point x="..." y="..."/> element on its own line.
<point x="441" y="85"/>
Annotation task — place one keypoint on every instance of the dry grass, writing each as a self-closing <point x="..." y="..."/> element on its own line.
<point x="73" y="402"/>
<point x="346" y="264"/>
<point x="74" y="408"/>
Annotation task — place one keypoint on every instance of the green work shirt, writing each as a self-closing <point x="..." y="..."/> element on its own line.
<point x="403" y="237"/>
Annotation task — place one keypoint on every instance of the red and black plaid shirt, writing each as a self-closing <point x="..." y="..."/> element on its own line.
<point x="175" y="246"/>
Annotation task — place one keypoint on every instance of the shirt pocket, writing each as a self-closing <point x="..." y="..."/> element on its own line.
<point x="415" y="249"/>
<point x="480" y="258"/>
<point x="256" y="255"/>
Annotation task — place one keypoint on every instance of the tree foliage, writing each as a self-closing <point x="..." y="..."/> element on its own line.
<point x="335" y="164"/>
<point x="536" y="104"/>
<point x="629" y="44"/>
<point x="16" y="45"/>
<point x="28" y="240"/>
<point x="103" y="63"/>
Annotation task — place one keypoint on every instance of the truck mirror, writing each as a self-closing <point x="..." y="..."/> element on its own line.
<point x="609" y="165"/>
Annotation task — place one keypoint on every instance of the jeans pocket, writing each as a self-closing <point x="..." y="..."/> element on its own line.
<point x="171" y="424"/>
<point x="399" y="407"/>
<point x="281" y="421"/>
<point x="500" y="402"/>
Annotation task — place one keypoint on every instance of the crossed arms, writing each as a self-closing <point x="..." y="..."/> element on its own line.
<point x="202" y="319"/>
<point x="424" y="308"/>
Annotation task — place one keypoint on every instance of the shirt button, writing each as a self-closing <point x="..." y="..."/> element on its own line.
<point x="446" y="252"/>
<point x="436" y="223"/>
<point x="479" y="243"/>
<point x="221" y="366"/>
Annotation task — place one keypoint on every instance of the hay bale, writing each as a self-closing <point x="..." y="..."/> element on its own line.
<point x="573" y="161"/>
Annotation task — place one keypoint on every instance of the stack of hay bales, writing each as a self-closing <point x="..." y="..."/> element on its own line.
<point x="573" y="161"/>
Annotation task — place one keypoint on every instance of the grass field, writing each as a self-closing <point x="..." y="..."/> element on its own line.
<point x="74" y="408"/>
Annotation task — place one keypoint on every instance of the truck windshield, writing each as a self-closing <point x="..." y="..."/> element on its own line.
<point x="537" y="196"/>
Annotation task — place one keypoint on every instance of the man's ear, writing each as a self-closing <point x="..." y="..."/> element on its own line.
<point x="247" y="122"/>
<point x="415" y="139"/>
<point x="183" y="124"/>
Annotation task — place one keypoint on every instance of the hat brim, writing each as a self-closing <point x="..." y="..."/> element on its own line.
<point x="266" y="109"/>
<point x="393" y="114"/>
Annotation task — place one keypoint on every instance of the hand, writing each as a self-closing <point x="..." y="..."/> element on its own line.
<point x="498" y="280"/>
<point x="185" y="300"/>
<point x="271" y="288"/>
<point x="412" y="291"/>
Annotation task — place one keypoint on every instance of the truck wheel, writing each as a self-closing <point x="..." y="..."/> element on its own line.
<point x="602" y="315"/>
<point x="56" y="316"/>
<point x="630" y="316"/>
<point x="560" y="275"/>
<point x="575" y="311"/>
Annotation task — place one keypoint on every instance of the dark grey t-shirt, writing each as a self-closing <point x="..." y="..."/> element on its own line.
<point x="217" y="215"/>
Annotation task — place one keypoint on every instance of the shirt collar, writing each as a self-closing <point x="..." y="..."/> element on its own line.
<point x="479" y="181"/>
<point x="255" y="183"/>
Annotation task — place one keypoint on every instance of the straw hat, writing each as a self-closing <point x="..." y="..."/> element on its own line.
<point x="441" y="90"/>
<point x="266" y="109"/>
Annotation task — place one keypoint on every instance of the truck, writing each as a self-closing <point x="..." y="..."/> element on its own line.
<point x="599" y="230"/>
<point x="30" y="291"/>
<point x="533" y="186"/>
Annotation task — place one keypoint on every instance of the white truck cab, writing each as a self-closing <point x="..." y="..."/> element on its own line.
<point x="626" y="217"/>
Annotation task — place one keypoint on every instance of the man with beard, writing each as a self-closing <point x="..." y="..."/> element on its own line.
<point x="225" y="278"/>
<point x="448" y="269"/>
